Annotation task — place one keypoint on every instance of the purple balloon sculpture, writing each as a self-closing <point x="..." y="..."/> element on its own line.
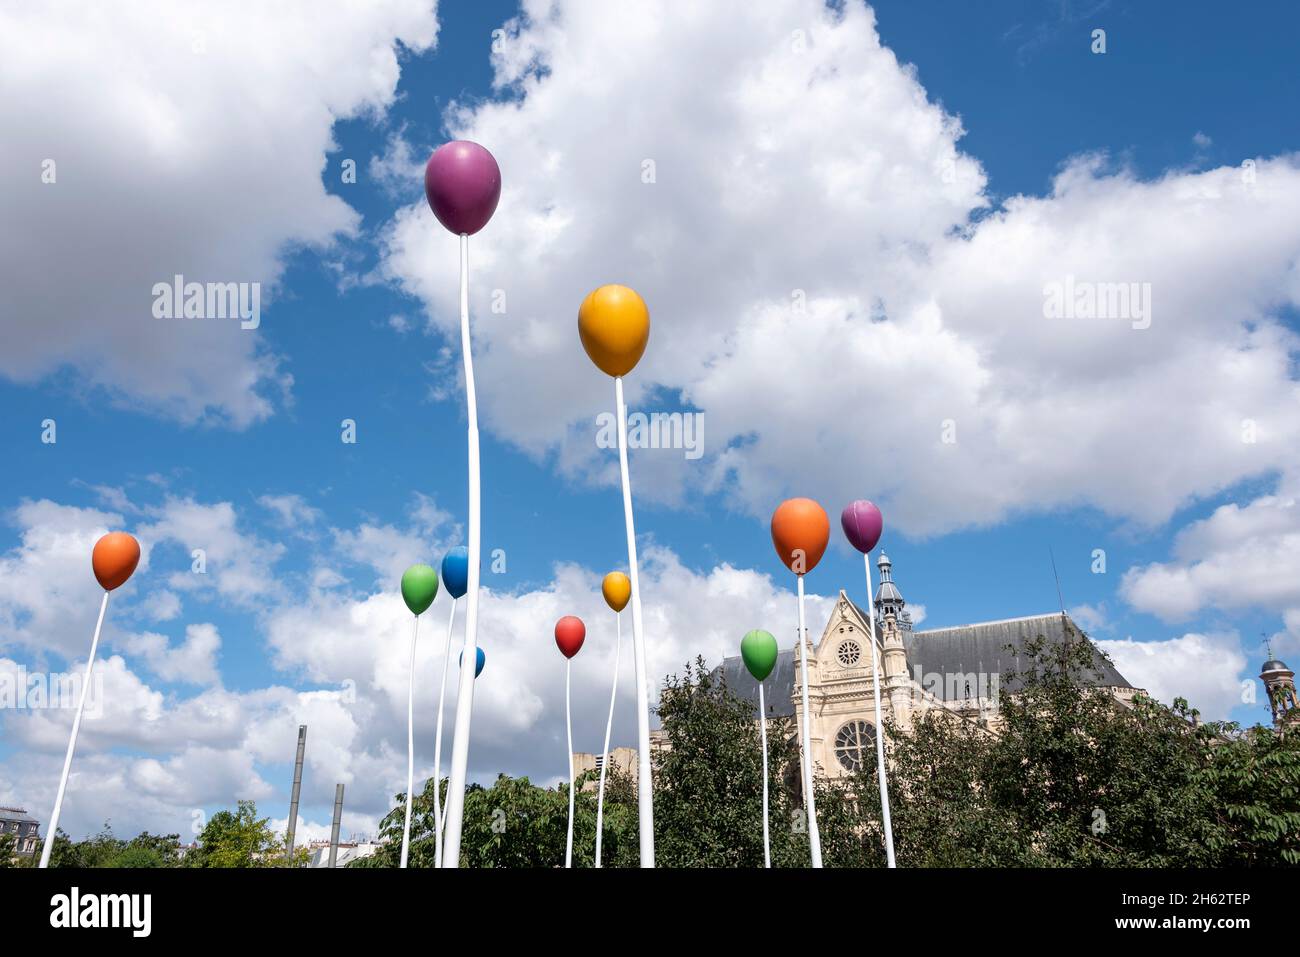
<point x="862" y="524"/>
<point x="462" y="183"/>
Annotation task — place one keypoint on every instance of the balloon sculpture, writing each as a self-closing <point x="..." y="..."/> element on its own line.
<point x="419" y="588"/>
<point x="758" y="650"/>
<point x="462" y="183"/>
<point x="455" y="575"/>
<point x="113" y="560"/>
<point x="614" y="326"/>
<point x="479" y="661"/>
<point x="617" y="589"/>
<point x="801" y="532"/>
<point x="862" y="526"/>
<point x="570" y="633"/>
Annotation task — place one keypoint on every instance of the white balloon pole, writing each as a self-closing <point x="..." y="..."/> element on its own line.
<point x="609" y="727"/>
<point x="410" y="744"/>
<point x="814" y="836"/>
<point x="50" y="834"/>
<point x="645" y="787"/>
<point x="465" y="695"/>
<point x="568" y="726"/>
<point x="880" y="728"/>
<point x="437" y="746"/>
<point x="762" y="730"/>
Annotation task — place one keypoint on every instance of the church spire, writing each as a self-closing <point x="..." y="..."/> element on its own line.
<point x="889" y="600"/>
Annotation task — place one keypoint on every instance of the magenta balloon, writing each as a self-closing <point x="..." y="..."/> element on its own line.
<point x="862" y="524"/>
<point x="462" y="183"/>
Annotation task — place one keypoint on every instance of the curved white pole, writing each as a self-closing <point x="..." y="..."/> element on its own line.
<point x="50" y="834"/>
<point x="609" y="727"/>
<point x="410" y="744"/>
<point x="814" y="836"/>
<point x="645" y="787"/>
<point x="762" y="730"/>
<point x="437" y="746"/>
<point x="465" y="694"/>
<point x="568" y="726"/>
<point x="880" y="728"/>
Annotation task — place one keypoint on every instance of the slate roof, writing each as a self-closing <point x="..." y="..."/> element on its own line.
<point x="978" y="647"/>
<point x="12" y="814"/>
<point x="777" y="689"/>
<point x="982" y="647"/>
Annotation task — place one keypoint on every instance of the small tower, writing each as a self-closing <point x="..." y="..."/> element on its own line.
<point x="1279" y="685"/>
<point x="889" y="600"/>
<point x="896" y="684"/>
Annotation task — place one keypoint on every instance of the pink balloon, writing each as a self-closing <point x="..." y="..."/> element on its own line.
<point x="462" y="183"/>
<point x="862" y="524"/>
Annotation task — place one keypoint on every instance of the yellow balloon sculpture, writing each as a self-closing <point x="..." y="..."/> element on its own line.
<point x="614" y="325"/>
<point x="617" y="589"/>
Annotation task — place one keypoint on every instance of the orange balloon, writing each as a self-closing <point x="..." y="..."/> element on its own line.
<point x="617" y="589"/>
<point x="114" y="559"/>
<point x="800" y="532"/>
<point x="614" y="326"/>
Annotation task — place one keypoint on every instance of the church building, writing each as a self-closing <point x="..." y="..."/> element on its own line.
<point x="960" y="670"/>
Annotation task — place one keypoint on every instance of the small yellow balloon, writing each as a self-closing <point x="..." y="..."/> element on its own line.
<point x="617" y="589"/>
<point x="614" y="325"/>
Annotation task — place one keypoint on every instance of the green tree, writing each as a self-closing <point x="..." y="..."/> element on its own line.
<point x="240" y="838"/>
<point x="708" y="780"/>
<point x="148" y="850"/>
<point x="515" y="823"/>
<point x="1076" y="778"/>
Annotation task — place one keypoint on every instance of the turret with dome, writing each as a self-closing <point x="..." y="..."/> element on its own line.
<point x="1279" y="684"/>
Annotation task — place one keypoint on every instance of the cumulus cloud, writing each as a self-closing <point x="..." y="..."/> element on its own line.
<point x="48" y="597"/>
<point x="1206" y="669"/>
<point x="828" y="285"/>
<point x="186" y="138"/>
<point x="194" y="661"/>
<point x="218" y="556"/>
<point x="152" y="758"/>
<point x="1239" y="557"/>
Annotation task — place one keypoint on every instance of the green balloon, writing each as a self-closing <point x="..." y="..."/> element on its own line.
<point x="419" y="588"/>
<point x="758" y="648"/>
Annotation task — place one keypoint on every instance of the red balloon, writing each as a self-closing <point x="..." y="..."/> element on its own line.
<point x="570" y="633"/>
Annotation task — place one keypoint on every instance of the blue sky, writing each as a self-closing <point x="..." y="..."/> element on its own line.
<point x="1171" y="97"/>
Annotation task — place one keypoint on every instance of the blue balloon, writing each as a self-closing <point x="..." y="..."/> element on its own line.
<point x="455" y="571"/>
<point x="480" y="658"/>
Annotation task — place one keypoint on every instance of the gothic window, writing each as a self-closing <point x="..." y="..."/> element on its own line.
<point x="853" y="744"/>
<point x="849" y="652"/>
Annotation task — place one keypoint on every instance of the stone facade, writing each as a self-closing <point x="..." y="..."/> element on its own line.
<point x="961" y="670"/>
<point x="23" y="828"/>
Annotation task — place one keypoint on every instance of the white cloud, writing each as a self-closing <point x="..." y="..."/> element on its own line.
<point x="818" y="287"/>
<point x="161" y="605"/>
<point x="236" y="565"/>
<point x="189" y="138"/>
<point x="1091" y="618"/>
<point x="290" y="511"/>
<point x="1239" y="557"/>
<point x="1206" y="669"/>
<point x="49" y="598"/>
<point x="193" y="662"/>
